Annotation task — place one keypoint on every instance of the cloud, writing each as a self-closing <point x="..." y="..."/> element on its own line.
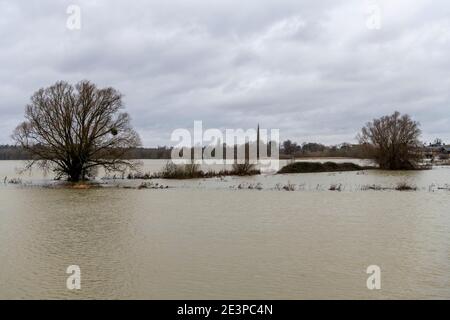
<point x="313" y="70"/>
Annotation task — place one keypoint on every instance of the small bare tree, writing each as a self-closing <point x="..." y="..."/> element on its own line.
<point x="71" y="130"/>
<point x="392" y="141"/>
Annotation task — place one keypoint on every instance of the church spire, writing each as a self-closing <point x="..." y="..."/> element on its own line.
<point x="257" y="143"/>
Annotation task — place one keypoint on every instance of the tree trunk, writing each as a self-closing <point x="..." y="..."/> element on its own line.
<point x="75" y="173"/>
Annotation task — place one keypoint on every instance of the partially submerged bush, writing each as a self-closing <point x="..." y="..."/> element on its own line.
<point x="151" y="185"/>
<point x="140" y="176"/>
<point x="244" y="169"/>
<point x="192" y="171"/>
<point x="13" y="181"/>
<point x="375" y="187"/>
<point x="335" y="187"/>
<point x="287" y="187"/>
<point x="186" y="171"/>
<point x="250" y="186"/>
<point x="312" y="167"/>
<point x="404" y="186"/>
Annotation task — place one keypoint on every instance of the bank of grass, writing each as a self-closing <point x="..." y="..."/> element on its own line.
<point x="192" y="171"/>
<point x="313" y="167"/>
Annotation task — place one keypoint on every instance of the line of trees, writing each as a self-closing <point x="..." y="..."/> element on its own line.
<point x="13" y="152"/>
<point x="8" y="152"/>
<point x="291" y="149"/>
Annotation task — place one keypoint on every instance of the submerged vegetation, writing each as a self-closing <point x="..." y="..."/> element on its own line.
<point x="12" y="180"/>
<point x="404" y="186"/>
<point x="287" y="187"/>
<point x="193" y="171"/>
<point x="244" y="169"/>
<point x="336" y="187"/>
<point x="151" y="185"/>
<point x="242" y="184"/>
<point x="311" y="167"/>
<point x="187" y="171"/>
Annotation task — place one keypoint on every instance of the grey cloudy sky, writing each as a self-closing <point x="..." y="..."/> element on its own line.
<point x="313" y="69"/>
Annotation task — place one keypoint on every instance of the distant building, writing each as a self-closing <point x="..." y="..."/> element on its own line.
<point x="436" y="150"/>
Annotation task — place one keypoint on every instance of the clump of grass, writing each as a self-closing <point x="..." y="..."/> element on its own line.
<point x="151" y="185"/>
<point x="251" y="186"/>
<point x="287" y="187"/>
<point x="15" y="181"/>
<point x="257" y="186"/>
<point x="404" y="186"/>
<point x="244" y="169"/>
<point x="312" y="167"/>
<point x="192" y="171"/>
<point x="372" y="187"/>
<point x="186" y="171"/>
<point x="140" y="176"/>
<point x="335" y="187"/>
<point x="116" y="177"/>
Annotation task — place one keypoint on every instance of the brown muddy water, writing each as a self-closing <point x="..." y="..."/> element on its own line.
<point x="211" y="239"/>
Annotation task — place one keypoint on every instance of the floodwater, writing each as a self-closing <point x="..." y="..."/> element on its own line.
<point x="223" y="238"/>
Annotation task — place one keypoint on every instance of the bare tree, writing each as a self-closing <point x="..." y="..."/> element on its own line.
<point x="393" y="141"/>
<point x="72" y="130"/>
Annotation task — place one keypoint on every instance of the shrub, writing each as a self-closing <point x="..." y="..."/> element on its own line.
<point x="372" y="187"/>
<point x="335" y="187"/>
<point x="187" y="171"/>
<point x="14" y="181"/>
<point x="192" y="171"/>
<point x="244" y="169"/>
<point x="404" y="186"/>
<point x="310" y="167"/>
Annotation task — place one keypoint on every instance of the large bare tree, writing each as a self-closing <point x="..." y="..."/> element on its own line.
<point x="392" y="141"/>
<point x="72" y="130"/>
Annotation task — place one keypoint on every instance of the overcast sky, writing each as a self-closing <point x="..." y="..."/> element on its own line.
<point x="317" y="70"/>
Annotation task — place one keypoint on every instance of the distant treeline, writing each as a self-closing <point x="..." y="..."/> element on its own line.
<point x="8" y="152"/>
<point x="288" y="149"/>
<point x="291" y="149"/>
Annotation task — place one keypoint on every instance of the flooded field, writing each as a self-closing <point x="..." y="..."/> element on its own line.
<point x="227" y="238"/>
